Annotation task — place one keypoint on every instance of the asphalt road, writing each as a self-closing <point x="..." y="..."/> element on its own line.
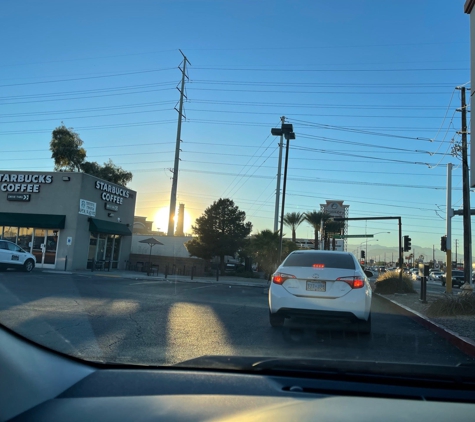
<point x="163" y="322"/>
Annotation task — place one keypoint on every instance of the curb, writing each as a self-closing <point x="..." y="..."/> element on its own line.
<point x="182" y="280"/>
<point x="57" y="272"/>
<point x="466" y="345"/>
<point x="225" y="283"/>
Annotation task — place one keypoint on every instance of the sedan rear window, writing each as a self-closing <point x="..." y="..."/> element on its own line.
<point x="313" y="259"/>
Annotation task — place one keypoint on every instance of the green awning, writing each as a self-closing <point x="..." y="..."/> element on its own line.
<point x="42" y="221"/>
<point x="108" y="227"/>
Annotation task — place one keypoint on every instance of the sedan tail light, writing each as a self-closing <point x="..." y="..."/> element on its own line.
<point x="279" y="278"/>
<point x="353" y="282"/>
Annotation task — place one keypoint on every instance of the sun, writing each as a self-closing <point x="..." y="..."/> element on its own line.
<point x="160" y="220"/>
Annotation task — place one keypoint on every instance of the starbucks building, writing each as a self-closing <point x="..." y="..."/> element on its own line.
<point x="68" y="220"/>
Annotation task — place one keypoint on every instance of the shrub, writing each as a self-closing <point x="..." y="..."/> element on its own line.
<point x="449" y="305"/>
<point x="388" y="283"/>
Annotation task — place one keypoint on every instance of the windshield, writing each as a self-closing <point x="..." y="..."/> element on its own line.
<point x="160" y="160"/>
<point x="319" y="260"/>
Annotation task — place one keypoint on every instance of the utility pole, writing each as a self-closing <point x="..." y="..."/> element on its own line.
<point x="171" y="217"/>
<point x="456" y="256"/>
<point x="448" y="247"/>
<point x="279" y="170"/>
<point x="467" y="224"/>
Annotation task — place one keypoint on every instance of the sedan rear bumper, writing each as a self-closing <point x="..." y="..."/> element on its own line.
<point x="354" y="305"/>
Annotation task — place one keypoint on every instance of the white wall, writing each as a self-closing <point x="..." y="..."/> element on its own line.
<point x="172" y="246"/>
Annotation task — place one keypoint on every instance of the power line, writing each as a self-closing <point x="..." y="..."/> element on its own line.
<point x="110" y="75"/>
<point x="274" y="69"/>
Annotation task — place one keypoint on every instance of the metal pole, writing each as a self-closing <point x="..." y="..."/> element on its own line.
<point x="366" y="253"/>
<point x="283" y="197"/>
<point x="400" y="251"/>
<point x="171" y="217"/>
<point x="456" y="256"/>
<point x="467" y="229"/>
<point x="467" y="224"/>
<point x="449" y="213"/>
<point x="279" y="171"/>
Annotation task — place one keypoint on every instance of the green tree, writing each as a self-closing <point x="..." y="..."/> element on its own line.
<point x="66" y="149"/>
<point x="264" y="248"/>
<point x="109" y="171"/>
<point x="69" y="155"/>
<point x="316" y="219"/>
<point x="221" y="230"/>
<point x="293" y="220"/>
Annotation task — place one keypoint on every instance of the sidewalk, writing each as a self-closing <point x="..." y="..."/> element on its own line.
<point x="136" y="275"/>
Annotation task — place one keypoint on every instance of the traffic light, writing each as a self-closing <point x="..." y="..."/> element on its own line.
<point x="443" y="243"/>
<point x="407" y="243"/>
<point x="363" y="254"/>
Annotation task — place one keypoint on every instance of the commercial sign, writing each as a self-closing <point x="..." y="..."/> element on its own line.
<point x="112" y="193"/>
<point x="23" y="197"/>
<point x="334" y="208"/>
<point x="87" y="208"/>
<point x="111" y="207"/>
<point x="29" y="183"/>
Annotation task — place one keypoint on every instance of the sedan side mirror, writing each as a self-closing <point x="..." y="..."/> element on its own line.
<point x="369" y="274"/>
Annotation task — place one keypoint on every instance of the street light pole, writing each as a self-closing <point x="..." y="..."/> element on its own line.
<point x="286" y="130"/>
<point x="279" y="171"/>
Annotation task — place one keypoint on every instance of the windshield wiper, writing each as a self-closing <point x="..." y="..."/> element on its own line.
<point x="369" y="371"/>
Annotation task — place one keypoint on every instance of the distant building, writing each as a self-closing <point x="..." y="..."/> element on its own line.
<point x="142" y="226"/>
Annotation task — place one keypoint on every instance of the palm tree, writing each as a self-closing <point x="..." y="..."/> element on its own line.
<point x="264" y="247"/>
<point x="293" y="220"/>
<point x="316" y="219"/>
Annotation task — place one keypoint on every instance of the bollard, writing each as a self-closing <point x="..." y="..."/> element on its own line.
<point x="166" y="271"/>
<point x="217" y="274"/>
<point x="423" y="290"/>
<point x="192" y="270"/>
<point x="93" y="265"/>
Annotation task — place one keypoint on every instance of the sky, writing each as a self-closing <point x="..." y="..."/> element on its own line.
<point x="369" y="86"/>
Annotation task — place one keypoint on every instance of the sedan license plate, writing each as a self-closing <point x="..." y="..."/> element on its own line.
<point x="316" y="286"/>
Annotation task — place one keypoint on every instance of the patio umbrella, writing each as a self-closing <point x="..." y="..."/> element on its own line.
<point x="151" y="241"/>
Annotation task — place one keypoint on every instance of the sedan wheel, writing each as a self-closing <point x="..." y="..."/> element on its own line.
<point x="28" y="265"/>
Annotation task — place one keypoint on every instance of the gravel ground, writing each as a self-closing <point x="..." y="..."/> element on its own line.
<point x="464" y="326"/>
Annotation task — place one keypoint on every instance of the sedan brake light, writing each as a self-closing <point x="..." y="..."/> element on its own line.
<point x="354" y="282"/>
<point x="279" y="278"/>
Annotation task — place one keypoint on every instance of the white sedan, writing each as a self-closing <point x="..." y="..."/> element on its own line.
<point x="321" y="286"/>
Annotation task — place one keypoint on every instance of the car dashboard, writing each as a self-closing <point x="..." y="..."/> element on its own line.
<point x="37" y="384"/>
